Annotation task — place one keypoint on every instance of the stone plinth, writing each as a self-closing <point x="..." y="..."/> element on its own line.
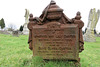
<point x="25" y="29"/>
<point x="89" y="36"/>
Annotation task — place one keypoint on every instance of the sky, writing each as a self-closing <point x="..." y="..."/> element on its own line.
<point x="13" y="11"/>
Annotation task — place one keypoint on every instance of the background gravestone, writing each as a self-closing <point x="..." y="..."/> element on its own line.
<point x="0" y="27"/>
<point x="25" y="29"/>
<point x="54" y="36"/>
<point x="4" y="32"/>
<point x="92" y="22"/>
<point x="15" y="33"/>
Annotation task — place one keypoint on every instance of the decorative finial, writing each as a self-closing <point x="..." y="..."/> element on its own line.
<point x="78" y="15"/>
<point x="31" y="17"/>
<point x="52" y="2"/>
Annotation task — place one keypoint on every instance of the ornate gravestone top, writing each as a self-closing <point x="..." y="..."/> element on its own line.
<point x="54" y="36"/>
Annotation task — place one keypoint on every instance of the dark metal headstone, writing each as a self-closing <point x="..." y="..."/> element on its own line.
<point x="54" y="36"/>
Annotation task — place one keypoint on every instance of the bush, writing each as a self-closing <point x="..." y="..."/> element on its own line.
<point x="21" y="28"/>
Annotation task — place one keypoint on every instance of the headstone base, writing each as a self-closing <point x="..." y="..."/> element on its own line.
<point x="25" y="29"/>
<point x="89" y="36"/>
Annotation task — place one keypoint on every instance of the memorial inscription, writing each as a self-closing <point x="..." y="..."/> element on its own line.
<point x="56" y="41"/>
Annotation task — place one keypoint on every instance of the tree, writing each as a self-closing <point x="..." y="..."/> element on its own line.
<point x="2" y="23"/>
<point x="21" y="28"/>
<point x="85" y="30"/>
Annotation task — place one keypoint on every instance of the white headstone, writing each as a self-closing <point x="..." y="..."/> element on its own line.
<point x="26" y="16"/>
<point x="92" y="21"/>
<point x="25" y="29"/>
<point x="0" y="27"/>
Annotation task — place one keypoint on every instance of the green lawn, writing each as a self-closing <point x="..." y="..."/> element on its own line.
<point x="14" y="52"/>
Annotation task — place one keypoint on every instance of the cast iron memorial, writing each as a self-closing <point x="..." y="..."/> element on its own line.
<point x="54" y="36"/>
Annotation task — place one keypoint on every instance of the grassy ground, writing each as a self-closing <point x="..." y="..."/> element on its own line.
<point x="90" y="57"/>
<point x="14" y="52"/>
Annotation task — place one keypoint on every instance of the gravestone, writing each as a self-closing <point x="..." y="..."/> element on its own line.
<point x="4" y="32"/>
<point x="0" y="27"/>
<point x="89" y="36"/>
<point x="54" y="36"/>
<point x="25" y="29"/>
<point x="15" y="33"/>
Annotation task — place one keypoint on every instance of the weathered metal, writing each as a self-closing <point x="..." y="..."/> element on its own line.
<point x="54" y="36"/>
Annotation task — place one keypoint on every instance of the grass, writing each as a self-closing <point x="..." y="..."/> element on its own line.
<point x="90" y="57"/>
<point x="14" y="52"/>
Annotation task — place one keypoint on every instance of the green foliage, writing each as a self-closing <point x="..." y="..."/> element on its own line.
<point x="39" y="62"/>
<point x="14" y="52"/>
<point x="21" y="28"/>
<point x="2" y="23"/>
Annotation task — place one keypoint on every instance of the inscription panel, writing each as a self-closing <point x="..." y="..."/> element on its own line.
<point x="56" y="41"/>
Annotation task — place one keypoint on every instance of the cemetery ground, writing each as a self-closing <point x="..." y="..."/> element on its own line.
<point x="14" y="52"/>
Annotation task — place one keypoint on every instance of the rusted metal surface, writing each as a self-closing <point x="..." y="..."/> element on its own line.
<point x="54" y="36"/>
